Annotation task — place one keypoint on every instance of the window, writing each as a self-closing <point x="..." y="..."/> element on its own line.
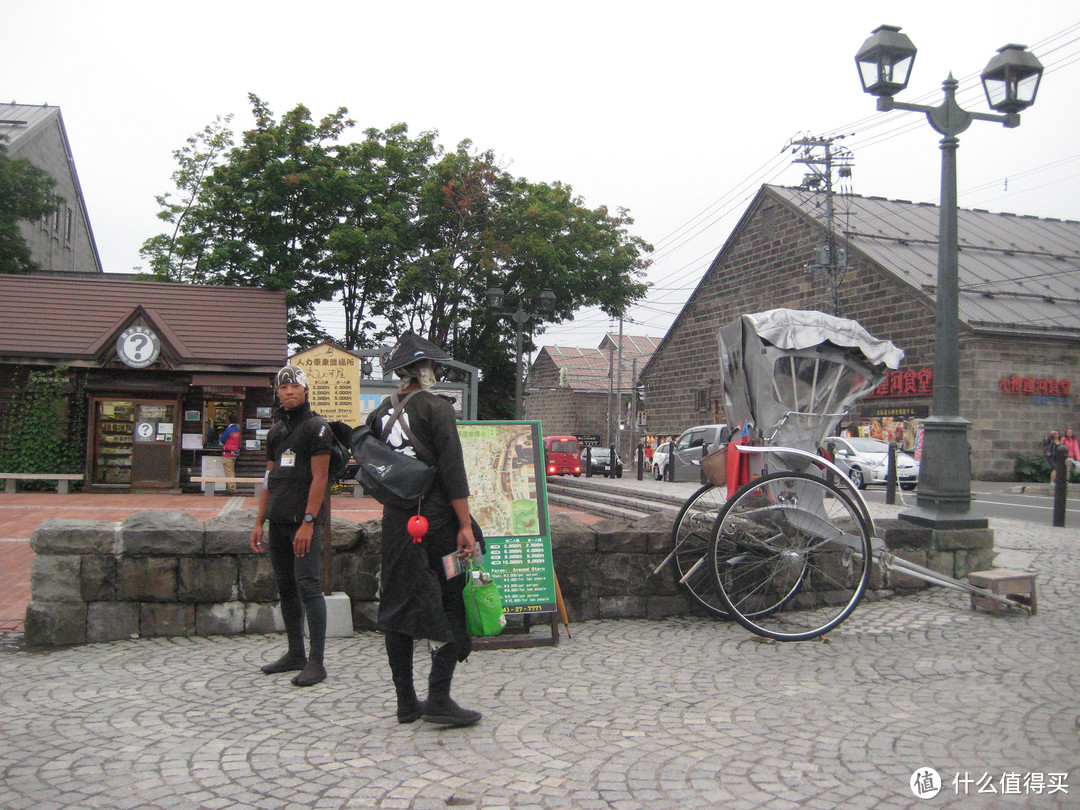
<point x="69" y="225"/>
<point x="701" y="399"/>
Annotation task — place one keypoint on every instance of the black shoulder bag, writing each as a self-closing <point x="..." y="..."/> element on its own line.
<point x="392" y="478"/>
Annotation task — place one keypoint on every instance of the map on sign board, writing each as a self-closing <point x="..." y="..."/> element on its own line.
<point x="504" y="462"/>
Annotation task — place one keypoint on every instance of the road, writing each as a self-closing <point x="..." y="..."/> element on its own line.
<point x="996" y="501"/>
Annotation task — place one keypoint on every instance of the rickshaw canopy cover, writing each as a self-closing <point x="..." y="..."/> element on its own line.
<point x="792" y="373"/>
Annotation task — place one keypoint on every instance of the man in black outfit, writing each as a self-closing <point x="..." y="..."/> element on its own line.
<point x="298" y="449"/>
<point x="417" y="600"/>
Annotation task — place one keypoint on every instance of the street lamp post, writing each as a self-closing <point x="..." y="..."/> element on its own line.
<point x="1010" y="80"/>
<point x="520" y="317"/>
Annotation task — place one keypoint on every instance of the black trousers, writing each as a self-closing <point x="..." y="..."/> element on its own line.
<point x="299" y="581"/>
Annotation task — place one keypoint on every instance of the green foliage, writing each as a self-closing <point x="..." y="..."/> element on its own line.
<point x="26" y="193"/>
<point x="45" y="427"/>
<point x="402" y="233"/>
<point x="1031" y="468"/>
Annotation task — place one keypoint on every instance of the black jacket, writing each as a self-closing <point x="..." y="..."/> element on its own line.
<point x="292" y="442"/>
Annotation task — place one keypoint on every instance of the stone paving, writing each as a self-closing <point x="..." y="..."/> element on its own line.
<point x="681" y="713"/>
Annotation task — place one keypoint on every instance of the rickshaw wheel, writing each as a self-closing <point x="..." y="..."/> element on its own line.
<point x="790" y="554"/>
<point x="691" y="540"/>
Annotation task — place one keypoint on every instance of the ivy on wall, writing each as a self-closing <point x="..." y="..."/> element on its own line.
<point x="45" y="426"/>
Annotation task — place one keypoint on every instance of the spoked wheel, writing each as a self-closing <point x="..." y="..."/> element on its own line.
<point x="791" y="556"/>
<point x="691" y="539"/>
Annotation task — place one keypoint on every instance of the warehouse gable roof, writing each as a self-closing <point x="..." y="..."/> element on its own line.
<point x="1016" y="274"/>
<point x="587" y="369"/>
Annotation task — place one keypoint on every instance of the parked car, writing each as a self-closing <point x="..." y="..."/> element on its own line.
<point x="866" y="461"/>
<point x="562" y="455"/>
<point x="601" y="461"/>
<point x="660" y="458"/>
<point x="691" y="445"/>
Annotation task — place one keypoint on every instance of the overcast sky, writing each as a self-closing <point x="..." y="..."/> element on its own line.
<point x="677" y="111"/>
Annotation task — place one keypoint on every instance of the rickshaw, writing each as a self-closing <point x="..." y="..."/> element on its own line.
<point x="780" y="539"/>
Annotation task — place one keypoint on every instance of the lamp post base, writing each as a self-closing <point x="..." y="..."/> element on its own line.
<point x="944" y="494"/>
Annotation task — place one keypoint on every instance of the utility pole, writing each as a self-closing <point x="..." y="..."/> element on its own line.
<point x="829" y="260"/>
<point x="618" y="395"/>
<point x="610" y="391"/>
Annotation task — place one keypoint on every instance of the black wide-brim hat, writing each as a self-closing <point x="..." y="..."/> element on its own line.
<point x="411" y="348"/>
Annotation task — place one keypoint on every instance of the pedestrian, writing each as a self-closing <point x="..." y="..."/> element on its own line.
<point x="230" y="449"/>
<point x="1073" y="461"/>
<point x="298" y="449"/>
<point x="417" y="598"/>
<point x="1050" y="446"/>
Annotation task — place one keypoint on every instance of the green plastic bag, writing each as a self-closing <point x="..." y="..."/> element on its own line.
<point x="483" y="603"/>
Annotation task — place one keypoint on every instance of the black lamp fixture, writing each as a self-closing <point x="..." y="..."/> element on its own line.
<point x="1011" y="79"/>
<point x="885" y="61"/>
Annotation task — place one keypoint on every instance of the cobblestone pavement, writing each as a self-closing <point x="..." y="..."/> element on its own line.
<point x="681" y="713"/>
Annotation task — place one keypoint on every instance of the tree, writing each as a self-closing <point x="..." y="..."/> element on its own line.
<point x="26" y="193"/>
<point x="403" y="234"/>
<point x="176" y="256"/>
<point x="379" y="186"/>
<point x="263" y="215"/>
<point x="481" y="227"/>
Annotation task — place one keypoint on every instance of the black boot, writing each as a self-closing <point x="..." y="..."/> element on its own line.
<point x="440" y="709"/>
<point x="314" y="672"/>
<point x="399" y="651"/>
<point x="291" y="661"/>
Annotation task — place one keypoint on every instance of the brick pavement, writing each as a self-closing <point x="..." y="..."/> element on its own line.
<point x="681" y="713"/>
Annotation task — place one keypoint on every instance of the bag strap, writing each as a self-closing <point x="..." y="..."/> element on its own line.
<point x="398" y="407"/>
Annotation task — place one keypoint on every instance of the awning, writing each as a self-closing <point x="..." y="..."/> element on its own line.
<point x="233" y="380"/>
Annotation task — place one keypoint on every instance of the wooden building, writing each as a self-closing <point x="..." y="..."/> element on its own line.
<point x="157" y="367"/>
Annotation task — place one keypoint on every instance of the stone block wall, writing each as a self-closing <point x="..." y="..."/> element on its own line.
<point x="167" y="574"/>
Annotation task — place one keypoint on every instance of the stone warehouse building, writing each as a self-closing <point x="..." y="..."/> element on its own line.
<point x="572" y="390"/>
<point x="63" y="242"/>
<point x="1019" y="309"/>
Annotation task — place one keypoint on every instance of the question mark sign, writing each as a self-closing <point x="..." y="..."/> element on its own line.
<point x="139" y="341"/>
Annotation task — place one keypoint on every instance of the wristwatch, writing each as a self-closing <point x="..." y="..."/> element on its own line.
<point x="309" y="518"/>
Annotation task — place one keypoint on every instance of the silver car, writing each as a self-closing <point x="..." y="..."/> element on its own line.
<point x="866" y="461"/>
<point x="660" y="458"/>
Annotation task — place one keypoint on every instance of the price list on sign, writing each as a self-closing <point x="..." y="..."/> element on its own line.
<point x="523" y="570"/>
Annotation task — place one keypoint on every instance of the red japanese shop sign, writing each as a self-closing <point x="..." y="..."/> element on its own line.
<point x="911" y="382"/>
<point x="1034" y="386"/>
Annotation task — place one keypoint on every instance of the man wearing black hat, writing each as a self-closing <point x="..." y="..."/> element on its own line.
<point x="298" y="449"/>
<point x="417" y="600"/>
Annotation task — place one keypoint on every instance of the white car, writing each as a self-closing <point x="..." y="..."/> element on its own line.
<point x="866" y="461"/>
<point x="660" y="458"/>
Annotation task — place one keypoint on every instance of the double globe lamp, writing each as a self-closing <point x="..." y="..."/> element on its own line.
<point x="1011" y="81"/>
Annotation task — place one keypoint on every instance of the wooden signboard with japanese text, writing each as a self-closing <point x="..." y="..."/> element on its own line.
<point x="333" y="382"/>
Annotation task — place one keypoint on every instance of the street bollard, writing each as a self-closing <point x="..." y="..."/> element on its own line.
<point x="890" y="475"/>
<point x="588" y="462"/>
<point x="640" y="454"/>
<point x="1061" y="484"/>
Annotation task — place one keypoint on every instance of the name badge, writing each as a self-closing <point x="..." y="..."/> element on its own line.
<point x="288" y="459"/>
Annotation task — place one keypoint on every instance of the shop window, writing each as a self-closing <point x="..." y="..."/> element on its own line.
<point x="115" y="421"/>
